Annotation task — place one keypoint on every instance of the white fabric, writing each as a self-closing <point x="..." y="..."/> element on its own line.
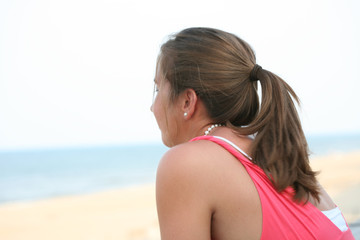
<point x="234" y="146"/>
<point x="337" y="218"/>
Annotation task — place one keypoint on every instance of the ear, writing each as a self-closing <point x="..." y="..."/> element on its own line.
<point x="188" y="102"/>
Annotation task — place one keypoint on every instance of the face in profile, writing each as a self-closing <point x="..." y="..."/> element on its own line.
<point x="163" y="110"/>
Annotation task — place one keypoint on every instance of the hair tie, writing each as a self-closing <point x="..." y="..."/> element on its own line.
<point x="254" y="72"/>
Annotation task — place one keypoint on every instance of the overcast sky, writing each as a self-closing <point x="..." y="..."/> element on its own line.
<point x="80" y="72"/>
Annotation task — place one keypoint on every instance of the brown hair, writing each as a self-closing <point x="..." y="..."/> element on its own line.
<point x="217" y="65"/>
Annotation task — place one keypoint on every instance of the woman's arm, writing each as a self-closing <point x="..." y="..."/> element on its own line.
<point x="183" y="196"/>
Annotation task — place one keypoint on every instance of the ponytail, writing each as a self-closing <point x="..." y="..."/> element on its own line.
<point x="280" y="147"/>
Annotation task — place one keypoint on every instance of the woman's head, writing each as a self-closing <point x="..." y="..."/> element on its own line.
<point x="217" y="66"/>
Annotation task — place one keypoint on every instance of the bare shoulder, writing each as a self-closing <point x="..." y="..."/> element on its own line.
<point x="184" y="201"/>
<point x="195" y="157"/>
<point x="202" y="167"/>
<point x="187" y="151"/>
<point x="186" y="159"/>
<point x="200" y="182"/>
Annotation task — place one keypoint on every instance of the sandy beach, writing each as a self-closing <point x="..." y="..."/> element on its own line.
<point x="130" y="213"/>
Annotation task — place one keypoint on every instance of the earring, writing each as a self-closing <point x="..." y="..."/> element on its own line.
<point x="185" y="114"/>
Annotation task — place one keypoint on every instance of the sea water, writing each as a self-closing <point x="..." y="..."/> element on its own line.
<point x="36" y="174"/>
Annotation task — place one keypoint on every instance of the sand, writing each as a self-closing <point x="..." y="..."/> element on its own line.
<point x="340" y="176"/>
<point x="130" y="213"/>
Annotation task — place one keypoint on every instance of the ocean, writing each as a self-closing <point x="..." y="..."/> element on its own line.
<point x="37" y="174"/>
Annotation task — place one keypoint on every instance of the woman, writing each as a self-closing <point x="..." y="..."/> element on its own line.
<point x="218" y="181"/>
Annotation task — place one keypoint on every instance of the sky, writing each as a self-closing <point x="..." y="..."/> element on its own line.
<point x="80" y="72"/>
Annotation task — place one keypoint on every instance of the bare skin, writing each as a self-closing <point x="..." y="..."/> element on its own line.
<point x="202" y="191"/>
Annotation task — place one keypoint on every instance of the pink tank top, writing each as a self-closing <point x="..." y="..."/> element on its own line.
<point x="282" y="218"/>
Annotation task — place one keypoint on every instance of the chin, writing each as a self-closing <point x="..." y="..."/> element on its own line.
<point x="168" y="142"/>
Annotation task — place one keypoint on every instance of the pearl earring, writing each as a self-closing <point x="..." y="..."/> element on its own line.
<point x="185" y="114"/>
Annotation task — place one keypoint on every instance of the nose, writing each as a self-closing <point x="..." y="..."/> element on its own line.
<point x="151" y="107"/>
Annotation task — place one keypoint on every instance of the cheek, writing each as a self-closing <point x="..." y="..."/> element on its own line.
<point x="158" y="110"/>
<point x="160" y="116"/>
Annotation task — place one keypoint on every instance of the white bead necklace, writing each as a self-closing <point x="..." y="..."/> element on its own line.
<point x="211" y="128"/>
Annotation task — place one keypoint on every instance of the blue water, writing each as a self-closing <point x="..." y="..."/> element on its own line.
<point x="30" y="175"/>
<point x="328" y="144"/>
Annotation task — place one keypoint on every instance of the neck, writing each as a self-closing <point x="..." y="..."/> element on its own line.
<point x="200" y="129"/>
<point x="196" y="125"/>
